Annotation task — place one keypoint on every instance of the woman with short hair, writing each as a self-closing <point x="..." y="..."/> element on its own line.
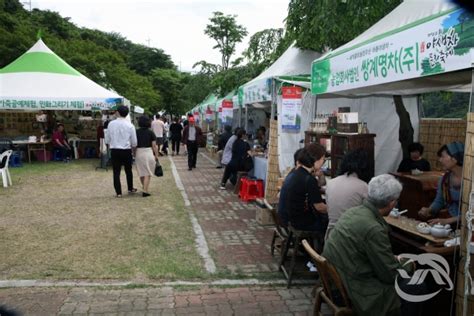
<point x="146" y="153"/>
<point x="306" y="207"/>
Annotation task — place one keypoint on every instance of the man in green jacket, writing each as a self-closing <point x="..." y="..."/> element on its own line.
<point x="359" y="248"/>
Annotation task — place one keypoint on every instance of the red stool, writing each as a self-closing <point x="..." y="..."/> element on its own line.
<point x="251" y="189"/>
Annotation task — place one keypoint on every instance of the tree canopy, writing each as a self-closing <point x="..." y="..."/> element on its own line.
<point x="324" y="24"/>
<point x="227" y="33"/>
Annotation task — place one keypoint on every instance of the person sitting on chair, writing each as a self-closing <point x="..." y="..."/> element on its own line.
<point x="60" y="142"/>
<point x="415" y="161"/>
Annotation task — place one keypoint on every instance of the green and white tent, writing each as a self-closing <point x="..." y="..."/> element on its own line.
<point x="421" y="46"/>
<point x="40" y="80"/>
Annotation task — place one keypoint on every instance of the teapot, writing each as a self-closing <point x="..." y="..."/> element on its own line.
<point x="439" y="230"/>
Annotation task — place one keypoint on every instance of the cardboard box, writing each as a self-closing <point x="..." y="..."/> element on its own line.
<point x="264" y="216"/>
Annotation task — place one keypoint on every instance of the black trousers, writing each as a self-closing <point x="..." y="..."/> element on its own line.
<point x="230" y="172"/>
<point x="175" y="144"/>
<point x="65" y="152"/>
<point x="122" y="157"/>
<point x="192" y="153"/>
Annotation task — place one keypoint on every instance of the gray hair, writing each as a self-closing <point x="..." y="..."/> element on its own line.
<point x="383" y="189"/>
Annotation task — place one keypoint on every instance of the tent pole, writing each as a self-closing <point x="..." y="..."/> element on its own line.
<point x="274" y="100"/>
<point x="246" y="118"/>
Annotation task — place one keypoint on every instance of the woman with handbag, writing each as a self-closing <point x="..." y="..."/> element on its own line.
<point x="239" y="161"/>
<point x="146" y="156"/>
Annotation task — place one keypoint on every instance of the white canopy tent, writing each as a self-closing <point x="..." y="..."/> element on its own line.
<point x="438" y="36"/>
<point x="290" y="69"/>
<point x="41" y="80"/>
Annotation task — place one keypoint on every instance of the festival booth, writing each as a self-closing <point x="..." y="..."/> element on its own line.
<point x="285" y="86"/>
<point x="39" y="89"/>
<point x="421" y="46"/>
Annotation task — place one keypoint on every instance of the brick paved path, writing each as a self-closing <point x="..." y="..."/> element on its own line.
<point x="237" y="243"/>
<point x="159" y="301"/>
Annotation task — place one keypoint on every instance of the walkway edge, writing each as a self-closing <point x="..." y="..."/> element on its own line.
<point x="222" y="282"/>
<point x="201" y="243"/>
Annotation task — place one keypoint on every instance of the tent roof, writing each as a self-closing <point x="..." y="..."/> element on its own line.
<point x="407" y="15"/>
<point x="51" y="84"/>
<point x="294" y="62"/>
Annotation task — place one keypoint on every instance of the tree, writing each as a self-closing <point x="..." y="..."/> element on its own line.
<point x="322" y="24"/>
<point x="262" y="46"/>
<point x="207" y="68"/>
<point x="169" y="83"/>
<point x="227" y="33"/>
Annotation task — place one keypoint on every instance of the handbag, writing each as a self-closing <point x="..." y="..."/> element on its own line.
<point x="158" y="170"/>
<point x="247" y="163"/>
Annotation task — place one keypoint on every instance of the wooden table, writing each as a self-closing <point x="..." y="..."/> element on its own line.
<point x="33" y="146"/>
<point x="406" y="239"/>
<point x="418" y="190"/>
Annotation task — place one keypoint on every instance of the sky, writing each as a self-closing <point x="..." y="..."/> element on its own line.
<point x="176" y="26"/>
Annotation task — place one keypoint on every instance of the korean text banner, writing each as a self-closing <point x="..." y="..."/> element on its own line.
<point x="291" y="108"/>
<point x="441" y="44"/>
<point x="15" y="103"/>
<point x="227" y="111"/>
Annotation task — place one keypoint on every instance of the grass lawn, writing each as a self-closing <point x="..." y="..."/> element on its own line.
<point x="62" y="221"/>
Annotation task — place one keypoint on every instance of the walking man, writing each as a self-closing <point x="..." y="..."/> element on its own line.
<point x="121" y="138"/>
<point x="192" y="136"/>
<point x="158" y="127"/>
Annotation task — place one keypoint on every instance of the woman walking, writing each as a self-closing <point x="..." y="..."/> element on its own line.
<point x="240" y="150"/>
<point x="147" y="153"/>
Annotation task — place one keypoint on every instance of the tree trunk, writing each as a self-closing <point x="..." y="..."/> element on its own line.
<point x="405" y="132"/>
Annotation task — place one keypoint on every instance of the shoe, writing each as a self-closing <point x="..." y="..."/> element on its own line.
<point x="222" y="187"/>
<point x="172" y="154"/>
<point x="144" y="194"/>
<point x="132" y="191"/>
<point x="118" y="196"/>
<point x="190" y="169"/>
<point x="219" y="167"/>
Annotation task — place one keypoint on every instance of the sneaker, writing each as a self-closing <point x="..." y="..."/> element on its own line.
<point x="145" y="194"/>
<point x="222" y="187"/>
<point x="132" y="191"/>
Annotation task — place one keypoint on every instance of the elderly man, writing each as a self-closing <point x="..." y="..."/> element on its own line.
<point x="359" y="248"/>
<point x="192" y="137"/>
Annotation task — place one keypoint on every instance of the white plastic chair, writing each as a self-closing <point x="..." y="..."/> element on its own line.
<point x="6" y="178"/>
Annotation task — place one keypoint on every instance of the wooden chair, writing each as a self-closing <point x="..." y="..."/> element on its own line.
<point x="332" y="292"/>
<point x="295" y="237"/>
<point x="279" y="232"/>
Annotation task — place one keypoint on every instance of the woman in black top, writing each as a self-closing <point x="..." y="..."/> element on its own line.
<point x="415" y="161"/>
<point x="146" y="154"/>
<point x="175" y="130"/>
<point x="240" y="150"/>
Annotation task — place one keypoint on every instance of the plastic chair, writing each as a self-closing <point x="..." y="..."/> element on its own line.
<point x="15" y="159"/>
<point x="333" y="291"/>
<point x="5" y="159"/>
<point x="57" y="155"/>
<point x="251" y="189"/>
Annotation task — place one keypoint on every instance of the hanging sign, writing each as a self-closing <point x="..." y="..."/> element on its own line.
<point x="291" y="108"/>
<point x="227" y="111"/>
<point x="441" y="44"/>
<point x="209" y="115"/>
<point x="197" y="117"/>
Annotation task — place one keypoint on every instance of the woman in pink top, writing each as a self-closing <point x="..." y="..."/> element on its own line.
<point x="60" y="143"/>
<point x="348" y="189"/>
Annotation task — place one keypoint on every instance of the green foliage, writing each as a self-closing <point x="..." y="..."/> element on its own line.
<point x="445" y="104"/>
<point x="106" y="58"/>
<point x="170" y="83"/>
<point x="323" y="24"/>
<point x="227" y="33"/>
<point x="262" y="46"/>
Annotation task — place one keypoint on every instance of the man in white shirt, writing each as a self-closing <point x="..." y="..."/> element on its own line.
<point x="121" y="138"/>
<point x="158" y="127"/>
